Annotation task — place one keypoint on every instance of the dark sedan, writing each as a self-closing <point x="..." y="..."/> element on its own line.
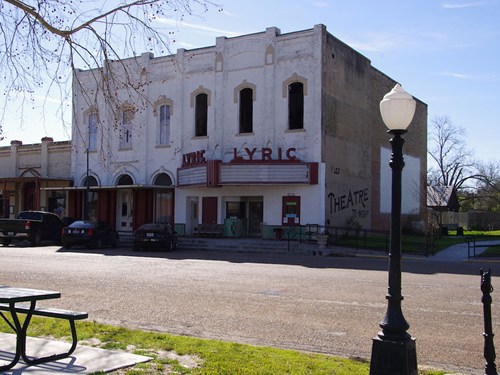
<point x="155" y="236"/>
<point x="89" y="234"/>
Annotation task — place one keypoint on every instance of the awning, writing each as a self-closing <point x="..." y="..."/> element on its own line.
<point x="33" y="178"/>
<point x="106" y="187"/>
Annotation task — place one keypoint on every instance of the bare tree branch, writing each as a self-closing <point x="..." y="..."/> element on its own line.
<point x="447" y="148"/>
<point x="41" y="42"/>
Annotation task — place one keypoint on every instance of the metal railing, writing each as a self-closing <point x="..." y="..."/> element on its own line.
<point x="358" y="238"/>
<point x="474" y="242"/>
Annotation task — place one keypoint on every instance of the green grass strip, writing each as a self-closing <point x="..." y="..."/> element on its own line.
<point x="210" y="356"/>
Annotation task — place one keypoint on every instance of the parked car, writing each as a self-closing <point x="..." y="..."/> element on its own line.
<point x="33" y="226"/>
<point x="89" y="234"/>
<point x="155" y="236"/>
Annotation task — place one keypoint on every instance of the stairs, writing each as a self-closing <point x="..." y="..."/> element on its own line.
<point x="238" y="245"/>
<point x="246" y="245"/>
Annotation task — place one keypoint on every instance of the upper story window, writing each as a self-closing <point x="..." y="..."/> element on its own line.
<point x="126" y="128"/>
<point x="201" y="115"/>
<point x="164" y="125"/>
<point x="246" y="110"/>
<point x="295" y="106"/>
<point x="92" y="131"/>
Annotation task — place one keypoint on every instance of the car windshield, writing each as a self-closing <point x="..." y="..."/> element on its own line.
<point x="30" y="215"/>
<point x="153" y="226"/>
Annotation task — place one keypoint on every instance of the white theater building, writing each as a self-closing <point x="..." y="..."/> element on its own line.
<point x="260" y="131"/>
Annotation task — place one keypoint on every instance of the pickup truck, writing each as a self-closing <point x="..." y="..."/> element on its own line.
<point x="33" y="226"/>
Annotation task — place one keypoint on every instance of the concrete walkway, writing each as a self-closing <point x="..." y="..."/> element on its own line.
<point x="84" y="360"/>
<point x="460" y="252"/>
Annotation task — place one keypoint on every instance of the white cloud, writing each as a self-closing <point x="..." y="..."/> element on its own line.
<point x="471" y="77"/>
<point x="198" y="27"/>
<point x="321" y="4"/>
<point x="456" y="75"/>
<point x="463" y="5"/>
<point x="377" y="42"/>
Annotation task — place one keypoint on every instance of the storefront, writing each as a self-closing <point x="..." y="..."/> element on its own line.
<point x="125" y="206"/>
<point x="28" y="170"/>
<point x="255" y="187"/>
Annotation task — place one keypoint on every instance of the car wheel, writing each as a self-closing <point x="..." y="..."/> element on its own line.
<point x="6" y="241"/>
<point x="36" y="239"/>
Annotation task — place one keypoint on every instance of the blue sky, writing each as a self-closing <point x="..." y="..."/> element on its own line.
<point x="445" y="53"/>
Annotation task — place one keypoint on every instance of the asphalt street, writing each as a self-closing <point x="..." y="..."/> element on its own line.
<point x="321" y="304"/>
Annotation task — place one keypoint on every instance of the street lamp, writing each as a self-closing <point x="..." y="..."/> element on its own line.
<point x="87" y="187"/>
<point x="394" y="351"/>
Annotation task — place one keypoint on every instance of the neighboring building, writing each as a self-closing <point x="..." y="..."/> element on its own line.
<point x="443" y="206"/>
<point x="29" y="174"/>
<point x="257" y="132"/>
<point x="442" y="198"/>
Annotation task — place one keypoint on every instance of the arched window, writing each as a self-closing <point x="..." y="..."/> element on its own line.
<point x="201" y="114"/>
<point x="92" y="131"/>
<point x="124" y="179"/>
<point x="164" y="125"/>
<point x="295" y="105"/>
<point x="91" y="206"/>
<point x="92" y="181"/>
<point x="246" y="110"/>
<point x="164" y="199"/>
<point x="163" y="179"/>
<point x="126" y="128"/>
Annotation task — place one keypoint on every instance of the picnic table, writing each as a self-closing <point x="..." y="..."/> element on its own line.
<point x="23" y="301"/>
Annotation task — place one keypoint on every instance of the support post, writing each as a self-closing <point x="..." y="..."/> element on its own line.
<point x="394" y="351"/>
<point x="489" y="347"/>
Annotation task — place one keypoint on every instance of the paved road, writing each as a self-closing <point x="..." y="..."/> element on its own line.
<point x="330" y="305"/>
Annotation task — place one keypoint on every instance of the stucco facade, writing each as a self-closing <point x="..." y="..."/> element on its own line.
<point x="265" y="130"/>
<point x="29" y="172"/>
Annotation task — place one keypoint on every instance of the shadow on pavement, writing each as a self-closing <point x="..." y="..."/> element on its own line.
<point x="350" y="259"/>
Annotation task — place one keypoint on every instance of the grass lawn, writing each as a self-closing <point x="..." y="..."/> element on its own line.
<point x="444" y="242"/>
<point x="487" y="236"/>
<point x="188" y="355"/>
<point x="492" y="251"/>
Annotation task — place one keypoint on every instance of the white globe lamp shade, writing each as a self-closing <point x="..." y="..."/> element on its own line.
<point x="397" y="108"/>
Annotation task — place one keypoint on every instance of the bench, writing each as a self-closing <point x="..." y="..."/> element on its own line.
<point x="452" y="227"/>
<point x="71" y="316"/>
<point x="209" y="230"/>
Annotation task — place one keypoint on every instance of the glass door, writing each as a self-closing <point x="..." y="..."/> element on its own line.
<point x="124" y="208"/>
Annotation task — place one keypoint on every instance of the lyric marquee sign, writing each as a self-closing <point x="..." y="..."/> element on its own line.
<point x="265" y="154"/>
<point x="248" y="166"/>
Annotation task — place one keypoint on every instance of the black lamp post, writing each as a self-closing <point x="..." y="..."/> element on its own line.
<point x="394" y="351"/>
<point x="86" y="194"/>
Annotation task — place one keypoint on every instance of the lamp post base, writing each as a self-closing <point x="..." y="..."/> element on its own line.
<point x="393" y="357"/>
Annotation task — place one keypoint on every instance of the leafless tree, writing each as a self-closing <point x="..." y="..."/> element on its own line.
<point x="454" y="163"/>
<point x="476" y="182"/>
<point x="42" y="42"/>
<point x="487" y="194"/>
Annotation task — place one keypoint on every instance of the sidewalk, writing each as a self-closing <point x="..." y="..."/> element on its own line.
<point x="459" y="252"/>
<point x="84" y="360"/>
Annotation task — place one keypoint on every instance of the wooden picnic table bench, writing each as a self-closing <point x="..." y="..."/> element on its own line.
<point x="11" y="300"/>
